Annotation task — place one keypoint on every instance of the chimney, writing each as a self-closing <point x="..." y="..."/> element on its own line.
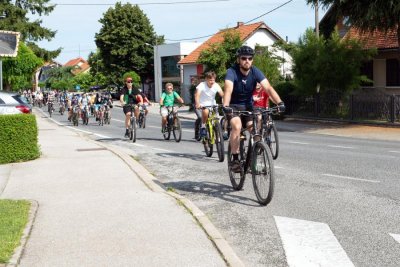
<point x="239" y="23"/>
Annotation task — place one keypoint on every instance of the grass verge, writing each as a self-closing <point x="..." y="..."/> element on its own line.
<point x="14" y="216"/>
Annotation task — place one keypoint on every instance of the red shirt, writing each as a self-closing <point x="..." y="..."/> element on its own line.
<point x="260" y="99"/>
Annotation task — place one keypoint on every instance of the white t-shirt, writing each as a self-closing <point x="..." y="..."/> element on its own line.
<point x="207" y="94"/>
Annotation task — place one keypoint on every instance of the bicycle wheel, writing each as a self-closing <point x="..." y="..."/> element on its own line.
<point x="177" y="129"/>
<point x="133" y="127"/>
<point x="219" y="141"/>
<point x="237" y="178"/>
<point x="272" y="140"/>
<point x="262" y="170"/>
<point x="144" y="122"/>
<point x="197" y="129"/>
<point x="140" y="120"/>
<point x="207" y="142"/>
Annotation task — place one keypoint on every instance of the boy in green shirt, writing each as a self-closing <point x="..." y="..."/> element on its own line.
<point x="167" y="100"/>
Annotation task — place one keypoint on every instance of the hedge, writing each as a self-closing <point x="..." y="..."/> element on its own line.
<point x="18" y="138"/>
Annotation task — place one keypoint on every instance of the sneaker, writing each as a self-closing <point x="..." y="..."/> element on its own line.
<point x="126" y="133"/>
<point x="225" y="136"/>
<point x="235" y="166"/>
<point x="203" y="132"/>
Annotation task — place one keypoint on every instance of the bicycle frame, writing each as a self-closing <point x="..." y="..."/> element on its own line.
<point x="212" y="118"/>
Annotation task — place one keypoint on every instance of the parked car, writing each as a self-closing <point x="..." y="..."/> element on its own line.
<point x="13" y="103"/>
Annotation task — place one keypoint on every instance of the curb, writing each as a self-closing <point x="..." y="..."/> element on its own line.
<point x="17" y="255"/>
<point x="225" y="250"/>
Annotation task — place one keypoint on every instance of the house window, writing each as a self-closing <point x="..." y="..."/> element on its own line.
<point x="392" y="72"/>
<point x="367" y="69"/>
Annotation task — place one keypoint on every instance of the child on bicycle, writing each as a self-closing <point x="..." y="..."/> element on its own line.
<point x="167" y="100"/>
<point x="205" y="96"/>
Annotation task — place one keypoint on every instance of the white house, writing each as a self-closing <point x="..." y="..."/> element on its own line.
<point x="166" y="69"/>
<point x="251" y="35"/>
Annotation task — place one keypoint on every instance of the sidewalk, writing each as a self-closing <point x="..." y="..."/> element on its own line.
<point x="98" y="207"/>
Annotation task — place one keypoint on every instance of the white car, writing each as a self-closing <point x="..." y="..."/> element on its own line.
<point x="13" y="103"/>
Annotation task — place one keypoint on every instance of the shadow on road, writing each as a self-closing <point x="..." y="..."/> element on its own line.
<point x="170" y="140"/>
<point x="213" y="189"/>
<point x="195" y="157"/>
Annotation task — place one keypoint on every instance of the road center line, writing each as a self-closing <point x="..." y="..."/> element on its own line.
<point x="350" y="178"/>
<point x="298" y="143"/>
<point x="346" y="147"/>
<point x="396" y="237"/>
<point x="309" y="243"/>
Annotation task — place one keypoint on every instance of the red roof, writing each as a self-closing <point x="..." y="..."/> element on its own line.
<point x="80" y="67"/>
<point x="245" y="31"/>
<point x="375" y="39"/>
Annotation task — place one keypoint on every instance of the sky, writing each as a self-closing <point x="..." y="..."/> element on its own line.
<point x="76" y="25"/>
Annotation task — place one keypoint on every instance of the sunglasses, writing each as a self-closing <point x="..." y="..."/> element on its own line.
<point x="129" y="82"/>
<point x="246" y="58"/>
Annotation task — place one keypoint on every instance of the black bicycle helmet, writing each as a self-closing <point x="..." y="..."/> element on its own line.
<point x="245" y="51"/>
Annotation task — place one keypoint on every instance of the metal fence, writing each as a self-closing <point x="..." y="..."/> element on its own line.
<point x="355" y="107"/>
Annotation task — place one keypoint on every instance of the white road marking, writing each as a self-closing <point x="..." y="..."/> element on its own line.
<point x="396" y="237"/>
<point x="308" y="243"/>
<point x="79" y="130"/>
<point x="346" y="147"/>
<point x="394" y="152"/>
<point x="160" y="149"/>
<point x="350" y="178"/>
<point x="298" y="143"/>
<point x="100" y="135"/>
<point x="118" y="120"/>
<point x="139" y="145"/>
<point x="278" y="167"/>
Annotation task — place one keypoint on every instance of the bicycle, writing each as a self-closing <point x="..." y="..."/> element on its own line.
<point x="214" y="134"/>
<point x="132" y="126"/>
<point x="226" y="128"/>
<point x="100" y="114"/>
<point x="50" y="108"/>
<point x="254" y="158"/>
<point x="270" y="133"/>
<point x="142" y="117"/>
<point x="107" y="114"/>
<point x="75" y="115"/>
<point x="173" y="124"/>
<point x="85" y="115"/>
<point x="62" y="108"/>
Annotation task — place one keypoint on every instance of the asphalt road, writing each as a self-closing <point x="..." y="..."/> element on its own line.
<point x="336" y="201"/>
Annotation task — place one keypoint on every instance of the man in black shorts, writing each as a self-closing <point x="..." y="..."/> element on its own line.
<point x="130" y="96"/>
<point x="240" y="81"/>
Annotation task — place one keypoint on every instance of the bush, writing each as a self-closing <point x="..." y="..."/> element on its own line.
<point x="18" y="138"/>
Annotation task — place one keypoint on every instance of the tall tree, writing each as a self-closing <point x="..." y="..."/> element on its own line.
<point x="18" y="71"/>
<point x="16" y="18"/>
<point x="382" y="15"/>
<point x="125" y="41"/>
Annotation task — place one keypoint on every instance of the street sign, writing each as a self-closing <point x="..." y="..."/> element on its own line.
<point x="77" y="87"/>
<point x="9" y="43"/>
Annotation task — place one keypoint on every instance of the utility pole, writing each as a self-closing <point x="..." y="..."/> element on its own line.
<point x="316" y="19"/>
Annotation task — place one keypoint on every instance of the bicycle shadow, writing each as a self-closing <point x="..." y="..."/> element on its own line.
<point x="194" y="157"/>
<point x="213" y="189"/>
<point x="161" y="139"/>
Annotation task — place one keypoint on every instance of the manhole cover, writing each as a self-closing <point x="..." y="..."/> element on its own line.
<point x="91" y="149"/>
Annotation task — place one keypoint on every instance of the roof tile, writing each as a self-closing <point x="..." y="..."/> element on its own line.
<point x="375" y="39"/>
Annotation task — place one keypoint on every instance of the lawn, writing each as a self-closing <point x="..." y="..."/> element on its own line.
<point x="13" y="218"/>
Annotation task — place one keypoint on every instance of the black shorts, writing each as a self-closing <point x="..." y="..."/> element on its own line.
<point x="244" y="118"/>
<point x="127" y="109"/>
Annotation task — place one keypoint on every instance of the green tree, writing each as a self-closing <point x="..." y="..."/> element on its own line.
<point x="333" y="63"/>
<point x="84" y="80"/>
<point x="16" y="18"/>
<point x="268" y="63"/>
<point x="125" y="41"/>
<point x="18" y="71"/>
<point x="220" y="56"/>
<point x="380" y="15"/>
<point x="135" y="78"/>
<point x="60" y="78"/>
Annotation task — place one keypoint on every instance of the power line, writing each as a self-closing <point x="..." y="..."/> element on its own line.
<point x="200" y="37"/>
<point x="146" y="4"/>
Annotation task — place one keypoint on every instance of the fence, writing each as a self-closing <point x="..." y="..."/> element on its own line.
<point x="355" y="107"/>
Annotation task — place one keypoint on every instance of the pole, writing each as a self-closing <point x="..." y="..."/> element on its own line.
<point x="317" y="30"/>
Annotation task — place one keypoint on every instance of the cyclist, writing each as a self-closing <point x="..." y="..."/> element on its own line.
<point x="146" y="102"/>
<point x="167" y="100"/>
<point x="51" y="99"/>
<point x="205" y="96"/>
<point x="84" y="102"/>
<point x="240" y="81"/>
<point x="130" y="96"/>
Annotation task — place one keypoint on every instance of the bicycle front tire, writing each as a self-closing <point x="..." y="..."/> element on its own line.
<point x="177" y="129"/>
<point x="272" y="140"/>
<point x="219" y="142"/>
<point x="263" y="174"/>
